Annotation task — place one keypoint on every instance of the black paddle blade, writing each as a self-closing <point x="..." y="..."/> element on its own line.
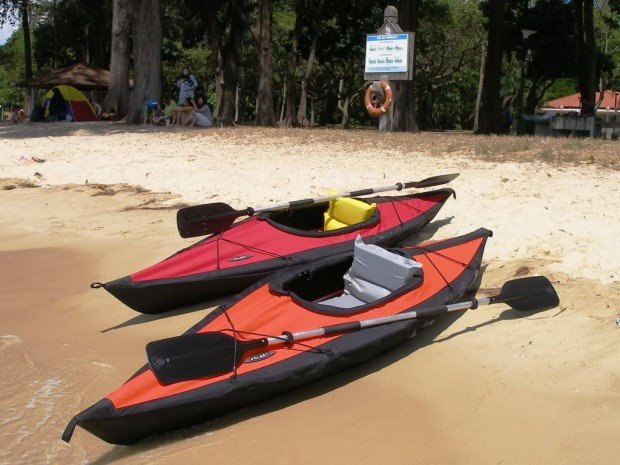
<point x="533" y="294"/>
<point x="209" y="218"/>
<point x="198" y="355"/>
<point x="191" y="356"/>
<point x="433" y="181"/>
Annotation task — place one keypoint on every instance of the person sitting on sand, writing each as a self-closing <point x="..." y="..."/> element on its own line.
<point x="177" y="112"/>
<point x="18" y="115"/>
<point x="156" y="113"/>
<point x="166" y="117"/>
<point x="201" y="116"/>
<point x="57" y="110"/>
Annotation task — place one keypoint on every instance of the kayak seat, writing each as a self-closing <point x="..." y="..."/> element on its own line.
<point x="344" y="212"/>
<point x="374" y="274"/>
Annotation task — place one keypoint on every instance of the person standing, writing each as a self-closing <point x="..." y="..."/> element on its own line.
<point x="187" y="85"/>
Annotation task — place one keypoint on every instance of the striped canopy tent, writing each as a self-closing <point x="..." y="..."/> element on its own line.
<point x="76" y="104"/>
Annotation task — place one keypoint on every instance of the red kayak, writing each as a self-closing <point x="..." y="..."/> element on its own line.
<point x="392" y="284"/>
<point x="252" y="249"/>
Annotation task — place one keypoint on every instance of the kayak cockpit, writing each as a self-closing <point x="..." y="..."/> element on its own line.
<point x="311" y="220"/>
<point x="351" y="283"/>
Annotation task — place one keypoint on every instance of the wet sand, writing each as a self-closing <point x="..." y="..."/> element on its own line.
<point x="481" y="387"/>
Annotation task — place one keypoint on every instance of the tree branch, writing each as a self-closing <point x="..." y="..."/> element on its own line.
<point x="253" y="27"/>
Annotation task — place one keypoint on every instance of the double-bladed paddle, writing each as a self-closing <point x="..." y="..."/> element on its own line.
<point x="211" y="218"/>
<point x="200" y="355"/>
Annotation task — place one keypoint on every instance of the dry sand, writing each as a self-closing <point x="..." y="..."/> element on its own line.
<point x="481" y="387"/>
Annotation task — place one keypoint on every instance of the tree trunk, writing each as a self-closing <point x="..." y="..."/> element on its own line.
<point x="302" y="111"/>
<point x="588" y="98"/>
<point x="303" y="101"/>
<point x="118" y="91"/>
<point x="230" y="54"/>
<point x="147" y="43"/>
<point x="329" y="107"/>
<point x="586" y="54"/>
<point x="291" y="85"/>
<point x="86" y="44"/>
<point x="55" y="24"/>
<point x="579" y="44"/>
<point x="491" y="121"/>
<point x="404" y="118"/>
<point x="237" y="91"/>
<point x="343" y="105"/>
<point x="98" y="34"/>
<point x="282" y="104"/>
<point x="24" y="13"/>
<point x="217" y="59"/>
<point x="479" y="94"/>
<point x="265" y="115"/>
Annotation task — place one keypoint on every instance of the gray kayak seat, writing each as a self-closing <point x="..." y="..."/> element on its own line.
<point x="374" y="274"/>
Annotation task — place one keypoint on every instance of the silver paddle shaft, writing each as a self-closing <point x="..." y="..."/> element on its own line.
<point x="285" y="206"/>
<point x="357" y="325"/>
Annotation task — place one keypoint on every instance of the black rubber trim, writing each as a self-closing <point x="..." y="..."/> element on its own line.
<point x="342" y="328"/>
<point x="362" y="192"/>
<point x="68" y="433"/>
<point x="427" y="312"/>
<point x="301" y="203"/>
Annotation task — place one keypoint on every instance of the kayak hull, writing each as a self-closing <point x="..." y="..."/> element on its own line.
<point x="104" y="421"/>
<point x="142" y="407"/>
<point x="256" y="248"/>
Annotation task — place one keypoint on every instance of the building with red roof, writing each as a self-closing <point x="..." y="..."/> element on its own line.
<point x="572" y="104"/>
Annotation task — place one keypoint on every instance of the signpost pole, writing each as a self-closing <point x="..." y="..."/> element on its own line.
<point x="385" y="121"/>
<point x="389" y="58"/>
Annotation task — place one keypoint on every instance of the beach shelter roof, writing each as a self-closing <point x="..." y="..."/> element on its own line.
<point x="75" y="103"/>
<point x="574" y="101"/>
<point x="79" y="75"/>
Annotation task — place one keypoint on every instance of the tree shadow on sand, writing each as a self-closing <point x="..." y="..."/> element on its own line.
<point x="29" y="130"/>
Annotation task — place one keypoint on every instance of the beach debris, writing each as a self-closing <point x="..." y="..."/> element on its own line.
<point x="38" y="175"/>
<point x="28" y="184"/>
<point x="32" y="159"/>
<point x="618" y="322"/>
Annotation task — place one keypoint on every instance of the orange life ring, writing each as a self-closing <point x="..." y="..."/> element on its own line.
<point x="372" y="108"/>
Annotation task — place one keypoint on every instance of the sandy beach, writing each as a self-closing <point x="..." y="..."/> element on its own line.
<point x="476" y="388"/>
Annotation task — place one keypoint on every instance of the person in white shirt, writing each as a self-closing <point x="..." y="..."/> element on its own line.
<point x="201" y="116"/>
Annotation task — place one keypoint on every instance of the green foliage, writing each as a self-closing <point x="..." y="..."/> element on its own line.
<point x="12" y="71"/>
<point x="607" y="29"/>
<point x="71" y="30"/>
<point x="450" y="41"/>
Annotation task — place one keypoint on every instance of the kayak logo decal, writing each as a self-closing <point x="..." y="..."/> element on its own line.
<point x="239" y="258"/>
<point x="259" y="357"/>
